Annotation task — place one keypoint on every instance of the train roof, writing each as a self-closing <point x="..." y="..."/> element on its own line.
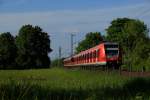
<point x="114" y="43"/>
<point x="95" y="47"/>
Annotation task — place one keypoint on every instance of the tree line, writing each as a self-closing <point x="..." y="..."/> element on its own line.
<point x="133" y="37"/>
<point x="29" y="49"/>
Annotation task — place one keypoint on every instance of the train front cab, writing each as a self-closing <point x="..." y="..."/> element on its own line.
<point x="112" y="52"/>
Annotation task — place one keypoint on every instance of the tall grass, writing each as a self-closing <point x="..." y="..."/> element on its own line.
<point x="60" y="84"/>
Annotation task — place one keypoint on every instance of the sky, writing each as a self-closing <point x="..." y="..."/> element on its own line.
<point x="60" y="18"/>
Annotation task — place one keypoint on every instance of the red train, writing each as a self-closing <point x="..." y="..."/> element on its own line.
<point x="107" y="54"/>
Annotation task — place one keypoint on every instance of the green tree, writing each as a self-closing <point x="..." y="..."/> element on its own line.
<point x="132" y="35"/>
<point x="141" y="54"/>
<point x="115" y="32"/>
<point x="92" y="39"/>
<point x="126" y="31"/>
<point x="33" y="47"/>
<point x="57" y="63"/>
<point x="7" y="51"/>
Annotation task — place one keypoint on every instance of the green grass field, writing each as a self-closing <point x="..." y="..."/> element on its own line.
<point x="62" y="78"/>
<point x="63" y="84"/>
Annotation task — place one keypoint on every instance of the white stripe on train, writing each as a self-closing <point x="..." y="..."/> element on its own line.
<point x="87" y="64"/>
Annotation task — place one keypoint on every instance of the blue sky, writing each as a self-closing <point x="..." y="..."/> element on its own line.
<point x="61" y="17"/>
<point x="47" y="5"/>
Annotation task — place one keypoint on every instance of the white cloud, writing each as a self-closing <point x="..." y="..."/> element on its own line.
<point x="58" y="23"/>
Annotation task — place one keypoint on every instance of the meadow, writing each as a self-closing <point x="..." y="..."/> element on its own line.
<point x="65" y="84"/>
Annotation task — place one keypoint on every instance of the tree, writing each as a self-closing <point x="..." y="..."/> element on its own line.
<point x="57" y="62"/>
<point x="141" y="53"/>
<point x="115" y="32"/>
<point x="126" y="31"/>
<point x="7" y="51"/>
<point x="92" y="39"/>
<point x="132" y="35"/>
<point x="33" y="47"/>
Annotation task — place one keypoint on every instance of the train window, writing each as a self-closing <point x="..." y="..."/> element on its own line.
<point x="111" y="52"/>
<point x="111" y="46"/>
<point x="72" y="59"/>
<point x="91" y="55"/>
<point x="94" y="54"/>
<point x="88" y="56"/>
<point x="97" y="53"/>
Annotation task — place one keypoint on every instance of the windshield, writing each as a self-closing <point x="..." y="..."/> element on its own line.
<point x="111" y="52"/>
<point x="111" y="46"/>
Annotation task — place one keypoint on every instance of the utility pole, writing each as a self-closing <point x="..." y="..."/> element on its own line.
<point x="72" y="35"/>
<point x="59" y="52"/>
<point x="59" y="59"/>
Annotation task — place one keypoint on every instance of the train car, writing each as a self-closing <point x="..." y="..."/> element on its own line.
<point x="106" y="54"/>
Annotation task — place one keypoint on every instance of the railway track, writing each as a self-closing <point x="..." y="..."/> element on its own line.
<point x="121" y="72"/>
<point x="135" y="74"/>
<point x="126" y="73"/>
